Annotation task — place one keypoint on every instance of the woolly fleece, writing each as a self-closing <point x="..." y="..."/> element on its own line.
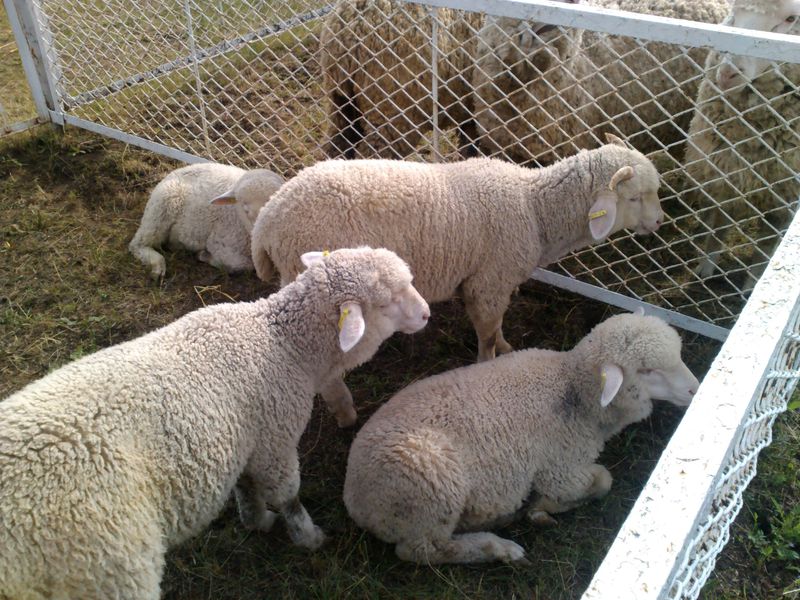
<point x="475" y="447"/>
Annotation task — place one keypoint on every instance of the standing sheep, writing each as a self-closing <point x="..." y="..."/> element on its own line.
<point x="479" y="227"/>
<point x="375" y="59"/>
<point x="536" y="101"/>
<point x="522" y="88"/>
<point x="179" y="212"/>
<point x="474" y="448"/>
<point x="110" y="460"/>
<point x="744" y="143"/>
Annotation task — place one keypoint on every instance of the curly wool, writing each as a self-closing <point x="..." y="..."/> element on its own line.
<point x="744" y="154"/>
<point x="179" y="213"/>
<point x="470" y="448"/>
<point x="111" y="459"/>
<point x="481" y="225"/>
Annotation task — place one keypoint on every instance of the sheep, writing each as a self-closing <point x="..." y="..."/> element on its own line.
<point x="112" y="459"/>
<point x="536" y="99"/>
<point x="474" y="448"/>
<point x="479" y="226"/>
<point x="743" y="153"/>
<point x="178" y="211"/>
<point x="375" y="60"/>
<point x="508" y="85"/>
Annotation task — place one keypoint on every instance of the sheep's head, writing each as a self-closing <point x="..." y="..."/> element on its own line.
<point x="372" y="295"/>
<point x="777" y="16"/>
<point x="250" y="194"/>
<point x="629" y="199"/>
<point x="528" y="48"/>
<point x="645" y="350"/>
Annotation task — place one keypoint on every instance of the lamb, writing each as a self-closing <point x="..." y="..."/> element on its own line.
<point x="178" y="211"/>
<point x="536" y="101"/>
<point x="109" y="460"/>
<point x="479" y="226"/>
<point x="743" y="152"/>
<point x="474" y="448"/>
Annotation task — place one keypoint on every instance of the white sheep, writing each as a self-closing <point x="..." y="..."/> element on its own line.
<point x="375" y="59"/>
<point x="517" y="87"/>
<point x="538" y="98"/>
<point x="480" y="226"/>
<point x="474" y="448"/>
<point x="743" y="153"/>
<point x="182" y="211"/>
<point x="110" y="460"/>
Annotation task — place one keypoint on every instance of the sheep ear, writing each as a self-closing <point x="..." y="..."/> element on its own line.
<point x="602" y="215"/>
<point x="611" y="380"/>
<point x="312" y="258"/>
<point x="351" y="325"/>
<point x="614" y="139"/>
<point x="228" y="197"/>
<point x="623" y="174"/>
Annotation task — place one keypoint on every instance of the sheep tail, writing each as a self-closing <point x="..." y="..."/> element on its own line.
<point x="265" y="269"/>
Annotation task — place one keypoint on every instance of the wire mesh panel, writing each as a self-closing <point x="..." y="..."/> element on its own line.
<point x="284" y="84"/>
<point x="668" y="545"/>
<point x="17" y="108"/>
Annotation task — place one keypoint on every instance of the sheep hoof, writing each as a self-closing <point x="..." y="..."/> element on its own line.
<point x="706" y="268"/>
<point x="264" y="522"/>
<point x="347" y="418"/>
<point x="541" y="518"/>
<point x="512" y="552"/>
<point x="311" y="539"/>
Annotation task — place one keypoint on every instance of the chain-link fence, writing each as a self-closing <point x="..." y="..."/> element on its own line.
<point x="284" y="84"/>
<point x="17" y="111"/>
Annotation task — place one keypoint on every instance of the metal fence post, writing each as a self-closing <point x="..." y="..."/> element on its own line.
<point x="33" y="48"/>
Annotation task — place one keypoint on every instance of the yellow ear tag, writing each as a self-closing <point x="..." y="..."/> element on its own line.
<point x="326" y="253"/>
<point x="598" y="214"/>
<point x="342" y="317"/>
<point x="602" y="378"/>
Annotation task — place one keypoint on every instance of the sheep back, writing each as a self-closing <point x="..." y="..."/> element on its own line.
<point x="447" y="221"/>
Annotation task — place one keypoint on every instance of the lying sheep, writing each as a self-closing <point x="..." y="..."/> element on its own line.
<point x="744" y="143"/>
<point x="110" y="460"/>
<point x="479" y="227"/>
<point x="473" y="448"/>
<point x="537" y="99"/>
<point x="178" y="212"/>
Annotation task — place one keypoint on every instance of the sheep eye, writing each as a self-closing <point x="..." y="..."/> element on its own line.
<point x="791" y="19"/>
<point x="636" y="199"/>
<point x="645" y="371"/>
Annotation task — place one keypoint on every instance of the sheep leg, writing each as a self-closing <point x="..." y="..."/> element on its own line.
<point x="462" y="548"/>
<point x="339" y="401"/>
<point x="152" y="259"/>
<point x="275" y="482"/>
<point x="582" y="485"/>
<point x="253" y="511"/>
<point x="222" y="256"/>
<point x="485" y="310"/>
<point x="710" y="246"/>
